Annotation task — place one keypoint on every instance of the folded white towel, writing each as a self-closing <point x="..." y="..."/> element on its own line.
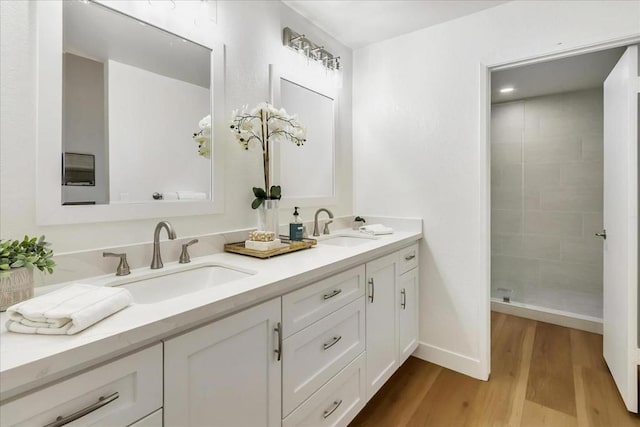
<point x="66" y="311"/>
<point x="376" y="229"/>
<point x="191" y="195"/>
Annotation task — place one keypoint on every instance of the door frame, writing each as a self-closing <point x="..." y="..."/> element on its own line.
<point x="484" y="159"/>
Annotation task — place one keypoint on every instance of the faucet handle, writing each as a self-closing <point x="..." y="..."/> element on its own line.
<point x="184" y="255"/>
<point x="326" y="227"/>
<point x="123" y="267"/>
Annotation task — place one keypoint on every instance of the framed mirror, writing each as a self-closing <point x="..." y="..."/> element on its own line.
<point x="307" y="173"/>
<point x="126" y="109"/>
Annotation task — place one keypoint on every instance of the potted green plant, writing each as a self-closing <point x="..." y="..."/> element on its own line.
<point x="18" y="258"/>
<point x="260" y="127"/>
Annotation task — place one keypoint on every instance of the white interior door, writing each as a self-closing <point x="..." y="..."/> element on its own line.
<point x="621" y="225"/>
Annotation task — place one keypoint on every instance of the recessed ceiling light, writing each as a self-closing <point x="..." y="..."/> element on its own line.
<point x="507" y="89"/>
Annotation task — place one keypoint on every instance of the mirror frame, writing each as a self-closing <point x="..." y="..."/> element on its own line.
<point x="326" y="88"/>
<point x="49" y="208"/>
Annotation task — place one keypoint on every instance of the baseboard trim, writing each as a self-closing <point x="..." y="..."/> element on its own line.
<point x="555" y="317"/>
<point x="450" y="360"/>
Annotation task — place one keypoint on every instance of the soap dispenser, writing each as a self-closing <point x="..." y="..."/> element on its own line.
<point x="296" y="230"/>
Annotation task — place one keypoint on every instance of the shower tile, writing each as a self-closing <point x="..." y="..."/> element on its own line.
<point x="516" y="271"/>
<point x="553" y="223"/>
<point x="572" y="199"/>
<point x="531" y="199"/>
<point x="507" y="122"/>
<point x="506" y="199"/>
<point x="593" y="146"/>
<point x="593" y="223"/>
<point x="532" y="246"/>
<point x="506" y="221"/>
<point x="588" y="174"/>
<point x="542" y="175"/>
<point x="553" y="150"/>
<point x="570" y="275"/>
<point x="502" y="153"/>
<point x="585" y="250"/>
<point x="508" y="176"/>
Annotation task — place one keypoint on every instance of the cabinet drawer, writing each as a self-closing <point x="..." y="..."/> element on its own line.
<point x="408" y="258"/>
<point x="131" y="388"/>
<point x="307" y="305"/>
<point x="151" y="420"/>
<point x="337" y="402"/>
<point x="315" y="354"/>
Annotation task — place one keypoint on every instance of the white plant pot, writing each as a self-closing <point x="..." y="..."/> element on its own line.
<point x="16" y="287"/>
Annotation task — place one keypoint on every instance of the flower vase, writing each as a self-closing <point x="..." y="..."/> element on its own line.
<point x="268" y="216"/>
<point x="16" y="285"/>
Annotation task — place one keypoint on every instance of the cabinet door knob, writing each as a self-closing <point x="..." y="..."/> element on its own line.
<point x="278" y="331"/>
<point x="333" y="408"/>
<point x="102" y="401"/>
<point x="331" y="343"/>
<point x="331" y="294"/>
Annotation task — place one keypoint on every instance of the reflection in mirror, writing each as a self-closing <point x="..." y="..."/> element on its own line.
<point x="133" y="98"/>
<point x="308" y="173"/>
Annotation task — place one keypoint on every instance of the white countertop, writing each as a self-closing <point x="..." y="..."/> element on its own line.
<point x="28" y="361"/>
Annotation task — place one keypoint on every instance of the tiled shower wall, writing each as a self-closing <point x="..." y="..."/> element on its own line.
<point x="546" y="183"/>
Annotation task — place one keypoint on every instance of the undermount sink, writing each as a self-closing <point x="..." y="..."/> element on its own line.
<point x="346" y="241"/>
<point x="171" y="284"/>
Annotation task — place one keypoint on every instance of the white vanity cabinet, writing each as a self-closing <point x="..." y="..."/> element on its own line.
<point x="391" y="314"/>
<point x="323" y="372"/>
<point x="382" y="324"/>
<point x="227" y="373"/>
<point x="119" y="393"/>
<point x="407" y="313"/>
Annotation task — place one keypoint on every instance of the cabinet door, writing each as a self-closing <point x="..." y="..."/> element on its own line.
<point x="408" y="313"/>
<point x="227" y="373"/>
<point x="381" y="321"/>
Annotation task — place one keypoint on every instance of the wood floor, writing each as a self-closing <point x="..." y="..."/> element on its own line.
<point x="541" y="375"/>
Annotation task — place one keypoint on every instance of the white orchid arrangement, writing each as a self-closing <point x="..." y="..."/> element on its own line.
<point x="260" y="127"/>
<point x="203" y="137"/>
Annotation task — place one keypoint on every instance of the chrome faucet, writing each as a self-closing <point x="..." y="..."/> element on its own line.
<point x="316" y="231"/>
<point x="156" y="261"/>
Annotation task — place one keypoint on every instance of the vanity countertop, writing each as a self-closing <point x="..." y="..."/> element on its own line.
<point x="28" y="361"/>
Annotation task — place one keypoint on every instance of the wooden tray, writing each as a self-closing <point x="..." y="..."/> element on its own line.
<point x="287" y="246"/>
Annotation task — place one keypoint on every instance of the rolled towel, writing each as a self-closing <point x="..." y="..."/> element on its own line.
<point x="67" y="311"/>
<point x="376" y="229"/>
<point x="170" y="195"/>
<point x="191" y="195"/>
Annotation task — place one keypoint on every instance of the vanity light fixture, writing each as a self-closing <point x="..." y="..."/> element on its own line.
<point x="300" y="43"/>
<point x="507" y="89"/>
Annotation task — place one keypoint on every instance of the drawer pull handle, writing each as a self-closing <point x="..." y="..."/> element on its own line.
<point x="278" y="351"/>
<point x="410" y="257"/>
<point x="373" y="290"/>
<point x="335" y="405"/>
<point x="403" y="303"/>
<point x="331" y="343"/>
<point x="102" y="401"/>
<point x="332" y="294"/>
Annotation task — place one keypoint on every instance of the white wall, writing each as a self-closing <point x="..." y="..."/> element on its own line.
<point x="417" y="146"/>
<point x="151" y="122"/>
<point x="252" y="34"/>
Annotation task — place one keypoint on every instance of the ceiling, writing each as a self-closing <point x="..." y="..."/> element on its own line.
<point x="362" y="22"/>
<point x="561" y="75"/>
